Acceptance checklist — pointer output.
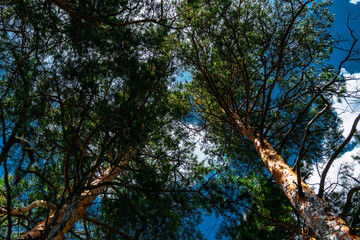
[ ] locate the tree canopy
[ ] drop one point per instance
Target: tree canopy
(100, 132)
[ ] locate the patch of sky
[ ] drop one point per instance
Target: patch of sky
(347, 110)
(210, 221)
(344, 10)
(210, 225)
(347, 14)
(183, 77)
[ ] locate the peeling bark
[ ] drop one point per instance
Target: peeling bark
(314, 210)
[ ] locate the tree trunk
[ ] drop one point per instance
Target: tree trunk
(70, 213)
(314, 210)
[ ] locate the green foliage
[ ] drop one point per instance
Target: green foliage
(265, 62)
(88, 88)
(91, 86)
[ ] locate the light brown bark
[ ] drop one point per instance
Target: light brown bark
(314, 210)
(69, 214)
(17, 211)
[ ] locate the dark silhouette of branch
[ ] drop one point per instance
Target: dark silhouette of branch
(348, 201)
(302, 152)
(335, 154)
(8, 201)
(108, 227)
(355, 219)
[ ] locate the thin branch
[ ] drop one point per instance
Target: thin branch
(348, 201)
(86, 231)
(355, 218)
(302, 152)
(108, 227)
(333, 157)
(8, 200)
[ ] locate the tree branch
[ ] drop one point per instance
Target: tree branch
(333, 157)
(37, 203)
(108, 227)
(348, 201)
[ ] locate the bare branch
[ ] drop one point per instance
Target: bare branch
(108, 227)
(335, 154)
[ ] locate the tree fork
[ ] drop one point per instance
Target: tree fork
(71, 213)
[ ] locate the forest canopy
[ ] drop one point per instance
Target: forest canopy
(105, 105)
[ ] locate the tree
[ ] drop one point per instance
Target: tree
(89, 122)
(95, 134)
(260, 69)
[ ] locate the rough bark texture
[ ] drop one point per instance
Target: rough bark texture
(314, 210)
(69, 214)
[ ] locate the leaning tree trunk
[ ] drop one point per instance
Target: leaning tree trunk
(314, 210)
(70, 213)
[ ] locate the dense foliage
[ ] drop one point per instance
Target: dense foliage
(99, 124)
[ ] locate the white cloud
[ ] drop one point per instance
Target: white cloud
(347, 110)
(354, 1)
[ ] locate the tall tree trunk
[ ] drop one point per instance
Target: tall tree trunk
(70, 213)
(314, 210)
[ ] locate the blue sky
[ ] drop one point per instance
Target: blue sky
(349, 109)
(341, 9)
